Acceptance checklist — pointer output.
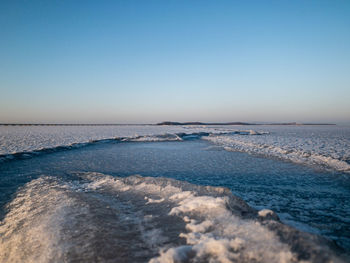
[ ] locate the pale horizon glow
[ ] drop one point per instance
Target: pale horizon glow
(153, 61)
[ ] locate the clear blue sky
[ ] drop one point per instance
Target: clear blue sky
(148, 61)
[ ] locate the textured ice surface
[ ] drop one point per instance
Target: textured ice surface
(320, 146)
(311, 200)
(90, 217)
(16, 139)
(94, 217)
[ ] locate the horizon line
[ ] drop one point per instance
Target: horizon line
(169, 123)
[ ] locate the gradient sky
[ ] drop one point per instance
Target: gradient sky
(148, 61)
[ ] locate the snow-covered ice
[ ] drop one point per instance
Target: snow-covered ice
(93, 217)
(319, 146)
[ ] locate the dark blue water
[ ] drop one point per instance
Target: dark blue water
(310, 200)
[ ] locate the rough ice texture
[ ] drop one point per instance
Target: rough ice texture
(320, 146)
(15, 139)
(92, 217)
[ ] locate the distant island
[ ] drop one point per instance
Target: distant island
(203, 123)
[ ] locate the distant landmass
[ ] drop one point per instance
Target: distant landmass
(203, 123)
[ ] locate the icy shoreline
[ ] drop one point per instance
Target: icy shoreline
(90, 216)
(318, 146)
(16, 139)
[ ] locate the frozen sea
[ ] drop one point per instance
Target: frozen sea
(174, 193)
